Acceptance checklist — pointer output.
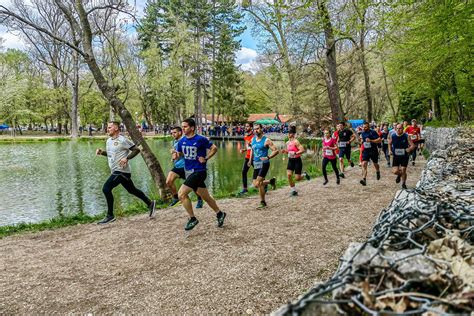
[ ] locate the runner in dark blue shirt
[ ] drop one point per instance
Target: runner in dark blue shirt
(370, 139)
(194, 149)
(400, 146)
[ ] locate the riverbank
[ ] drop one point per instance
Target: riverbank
(253, 265)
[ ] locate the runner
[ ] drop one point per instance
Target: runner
(385, 142)
(295, 165)
(369, 138)
(345, 137)
(178, 169)
(400, 146)
(329, 155)
(119, 150)
(414, 133)
(194, 147)
(261, 162)
(247, 150)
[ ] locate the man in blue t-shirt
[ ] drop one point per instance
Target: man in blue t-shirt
(370, 139)
(178, 169)
(193, 148)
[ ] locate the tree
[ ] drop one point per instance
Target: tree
(87, 20)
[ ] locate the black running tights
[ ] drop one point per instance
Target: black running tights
(245, 170)
(125, 179)
(334, 167)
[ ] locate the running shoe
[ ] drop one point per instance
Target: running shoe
(325, 182)
(342, 175)
(263, 204)
(294, 193)
(107, 220)
(220, 219)
(363, 182)
(338, 181)
(174, 202)
(388, 164)
(352, 164)
(191, 223)
(199, 203)
(306, 175)
(413, 163)
(404, 186)
(152, 208)
(378, 175)
(397, 180)
(273, 183)
(242, 192)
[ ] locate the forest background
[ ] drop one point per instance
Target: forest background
(160, 61)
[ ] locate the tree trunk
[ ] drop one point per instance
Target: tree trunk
(75, 96)
(331, 65)
(395, 113)
(436, 107)
(110, 94)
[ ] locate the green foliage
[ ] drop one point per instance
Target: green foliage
(432, 53)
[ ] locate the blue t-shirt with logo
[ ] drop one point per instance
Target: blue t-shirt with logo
(368, 146)
(192, 148)
(179, 163)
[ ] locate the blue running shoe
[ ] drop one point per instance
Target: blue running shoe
(191, 223)
(199, 204)
(173, 202)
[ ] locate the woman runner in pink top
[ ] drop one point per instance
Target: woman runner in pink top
(329, 155)
(294, 149)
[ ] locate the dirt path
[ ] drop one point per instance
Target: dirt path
(257, 262)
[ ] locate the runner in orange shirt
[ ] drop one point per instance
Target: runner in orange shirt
(414, 133)
(247, 150)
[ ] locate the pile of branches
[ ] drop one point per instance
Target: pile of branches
(419, 258)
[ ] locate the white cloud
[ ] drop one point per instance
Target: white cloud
(246, 59)
(11, 40)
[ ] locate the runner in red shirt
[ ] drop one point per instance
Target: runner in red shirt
(414, 133)
(329, 156)
(247, 149)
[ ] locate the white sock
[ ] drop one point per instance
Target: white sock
(293, 189)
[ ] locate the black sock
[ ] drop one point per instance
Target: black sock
(193, 218)
(219, 214)
(175, 196)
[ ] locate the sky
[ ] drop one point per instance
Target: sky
(245, 57)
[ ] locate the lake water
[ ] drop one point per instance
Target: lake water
(39, 181)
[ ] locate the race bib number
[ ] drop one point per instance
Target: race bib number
(328, 152)
(367, 145)
(257, 164)
(291, 154)
(385, 141)
(413, 137)
(342, 144)
(399, 152)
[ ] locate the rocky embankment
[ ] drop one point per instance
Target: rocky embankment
(419, 258)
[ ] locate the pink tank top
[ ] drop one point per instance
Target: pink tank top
(329, 153)
(292, 149)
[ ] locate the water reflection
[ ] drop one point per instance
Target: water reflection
(39, 181)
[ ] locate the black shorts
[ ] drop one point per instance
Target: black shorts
(295, 164)
(196, 180)
(180, 172)
(262, 172)
(345, 152)
(400, 161)
(370, 155)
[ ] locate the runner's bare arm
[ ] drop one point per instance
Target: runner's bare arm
(412, 146)
(272, 146)
(300, 148)
(212, 152)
